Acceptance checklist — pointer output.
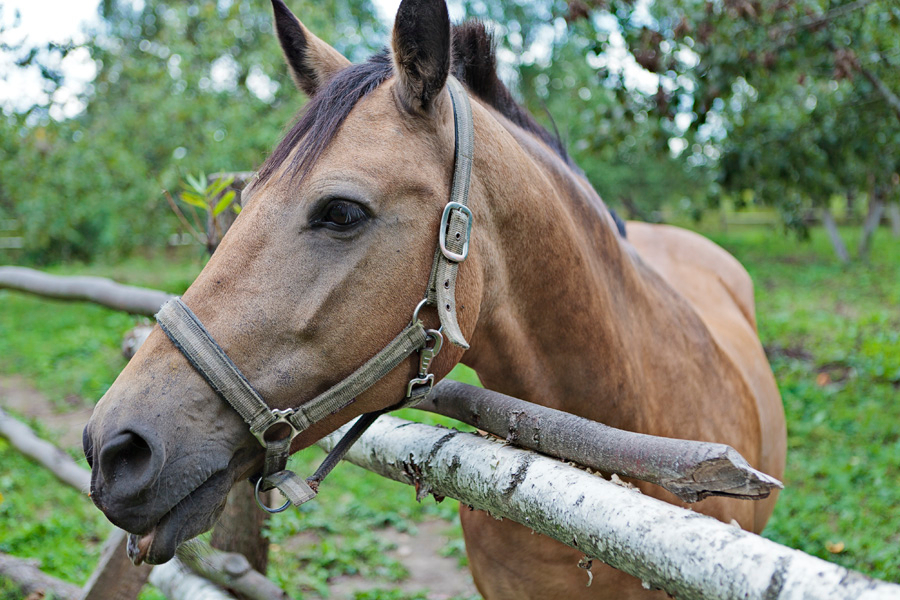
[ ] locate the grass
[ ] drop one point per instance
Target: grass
(831, 332)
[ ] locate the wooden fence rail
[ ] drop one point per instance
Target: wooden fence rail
(682, 552)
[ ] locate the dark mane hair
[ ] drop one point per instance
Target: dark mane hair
(474, 63)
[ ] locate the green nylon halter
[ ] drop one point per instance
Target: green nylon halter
(189, 335)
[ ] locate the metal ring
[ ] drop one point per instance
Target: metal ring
(271, 511)
(418, 308)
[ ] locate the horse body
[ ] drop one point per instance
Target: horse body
(654, 333)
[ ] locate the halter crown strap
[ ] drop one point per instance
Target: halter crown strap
(456, 220)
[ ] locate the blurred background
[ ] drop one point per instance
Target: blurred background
(772, 127)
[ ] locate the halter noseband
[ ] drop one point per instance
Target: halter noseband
(210, 360)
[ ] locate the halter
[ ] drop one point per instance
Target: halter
(189, 335)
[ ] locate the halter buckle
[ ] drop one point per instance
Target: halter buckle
(445, 224)
(281, 416)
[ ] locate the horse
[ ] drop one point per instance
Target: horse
(648, 328)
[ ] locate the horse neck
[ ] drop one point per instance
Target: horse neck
(569, 311)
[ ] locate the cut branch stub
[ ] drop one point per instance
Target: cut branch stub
(690, 470)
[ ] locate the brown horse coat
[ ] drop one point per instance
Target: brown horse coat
(654, 333)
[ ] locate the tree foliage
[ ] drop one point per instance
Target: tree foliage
(789, 103)
(181, 86)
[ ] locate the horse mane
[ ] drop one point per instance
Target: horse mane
(474, 63)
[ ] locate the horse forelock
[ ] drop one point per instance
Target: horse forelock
(473, 62)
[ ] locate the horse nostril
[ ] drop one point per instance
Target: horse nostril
(88, 445)
(130, 463)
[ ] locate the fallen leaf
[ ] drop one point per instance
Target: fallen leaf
(835, 548)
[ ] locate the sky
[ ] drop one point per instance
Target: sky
(42, 21)
(39, 22)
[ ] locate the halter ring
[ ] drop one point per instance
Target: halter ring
(263, 506)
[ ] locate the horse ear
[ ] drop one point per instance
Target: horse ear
(311, 61)
(421, 51)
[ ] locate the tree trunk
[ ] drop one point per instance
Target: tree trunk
(690, 470)
(136, 300)
(834, 235)
(893, 211)
(873, 218)
(686, 554)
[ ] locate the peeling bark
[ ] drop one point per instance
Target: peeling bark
(136, 300)
(687, 554)
(690, 470)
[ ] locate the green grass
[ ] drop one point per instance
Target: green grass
(832, 333)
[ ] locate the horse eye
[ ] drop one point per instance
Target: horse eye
(341, 214)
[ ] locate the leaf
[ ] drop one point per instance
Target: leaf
(194, 200)
(224, 203)
(236, 208)
(198, 185)
(219, 185)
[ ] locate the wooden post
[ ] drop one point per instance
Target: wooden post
(240, 527)
(115, 578)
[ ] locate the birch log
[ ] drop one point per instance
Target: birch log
(177, 582)
(687, 554)
(106, 292)
(690, 470)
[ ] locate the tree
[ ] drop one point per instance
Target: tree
(181, 86)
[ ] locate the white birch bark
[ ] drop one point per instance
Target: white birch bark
(687, 554)
(177, 582)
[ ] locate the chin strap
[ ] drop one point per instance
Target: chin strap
(275, 428)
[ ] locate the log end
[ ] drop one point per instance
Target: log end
(726, 474)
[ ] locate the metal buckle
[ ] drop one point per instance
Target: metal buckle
(442, 233)
(281, 416)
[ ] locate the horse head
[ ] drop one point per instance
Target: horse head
(325, 265)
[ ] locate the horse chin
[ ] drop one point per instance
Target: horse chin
(194, 514)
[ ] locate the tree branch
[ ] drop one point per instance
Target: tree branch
(58, 462)
(33, 582)
(690, 470)
(812, 21)
(132, 299)
(229, 570)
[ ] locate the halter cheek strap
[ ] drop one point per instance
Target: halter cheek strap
(189, 335)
